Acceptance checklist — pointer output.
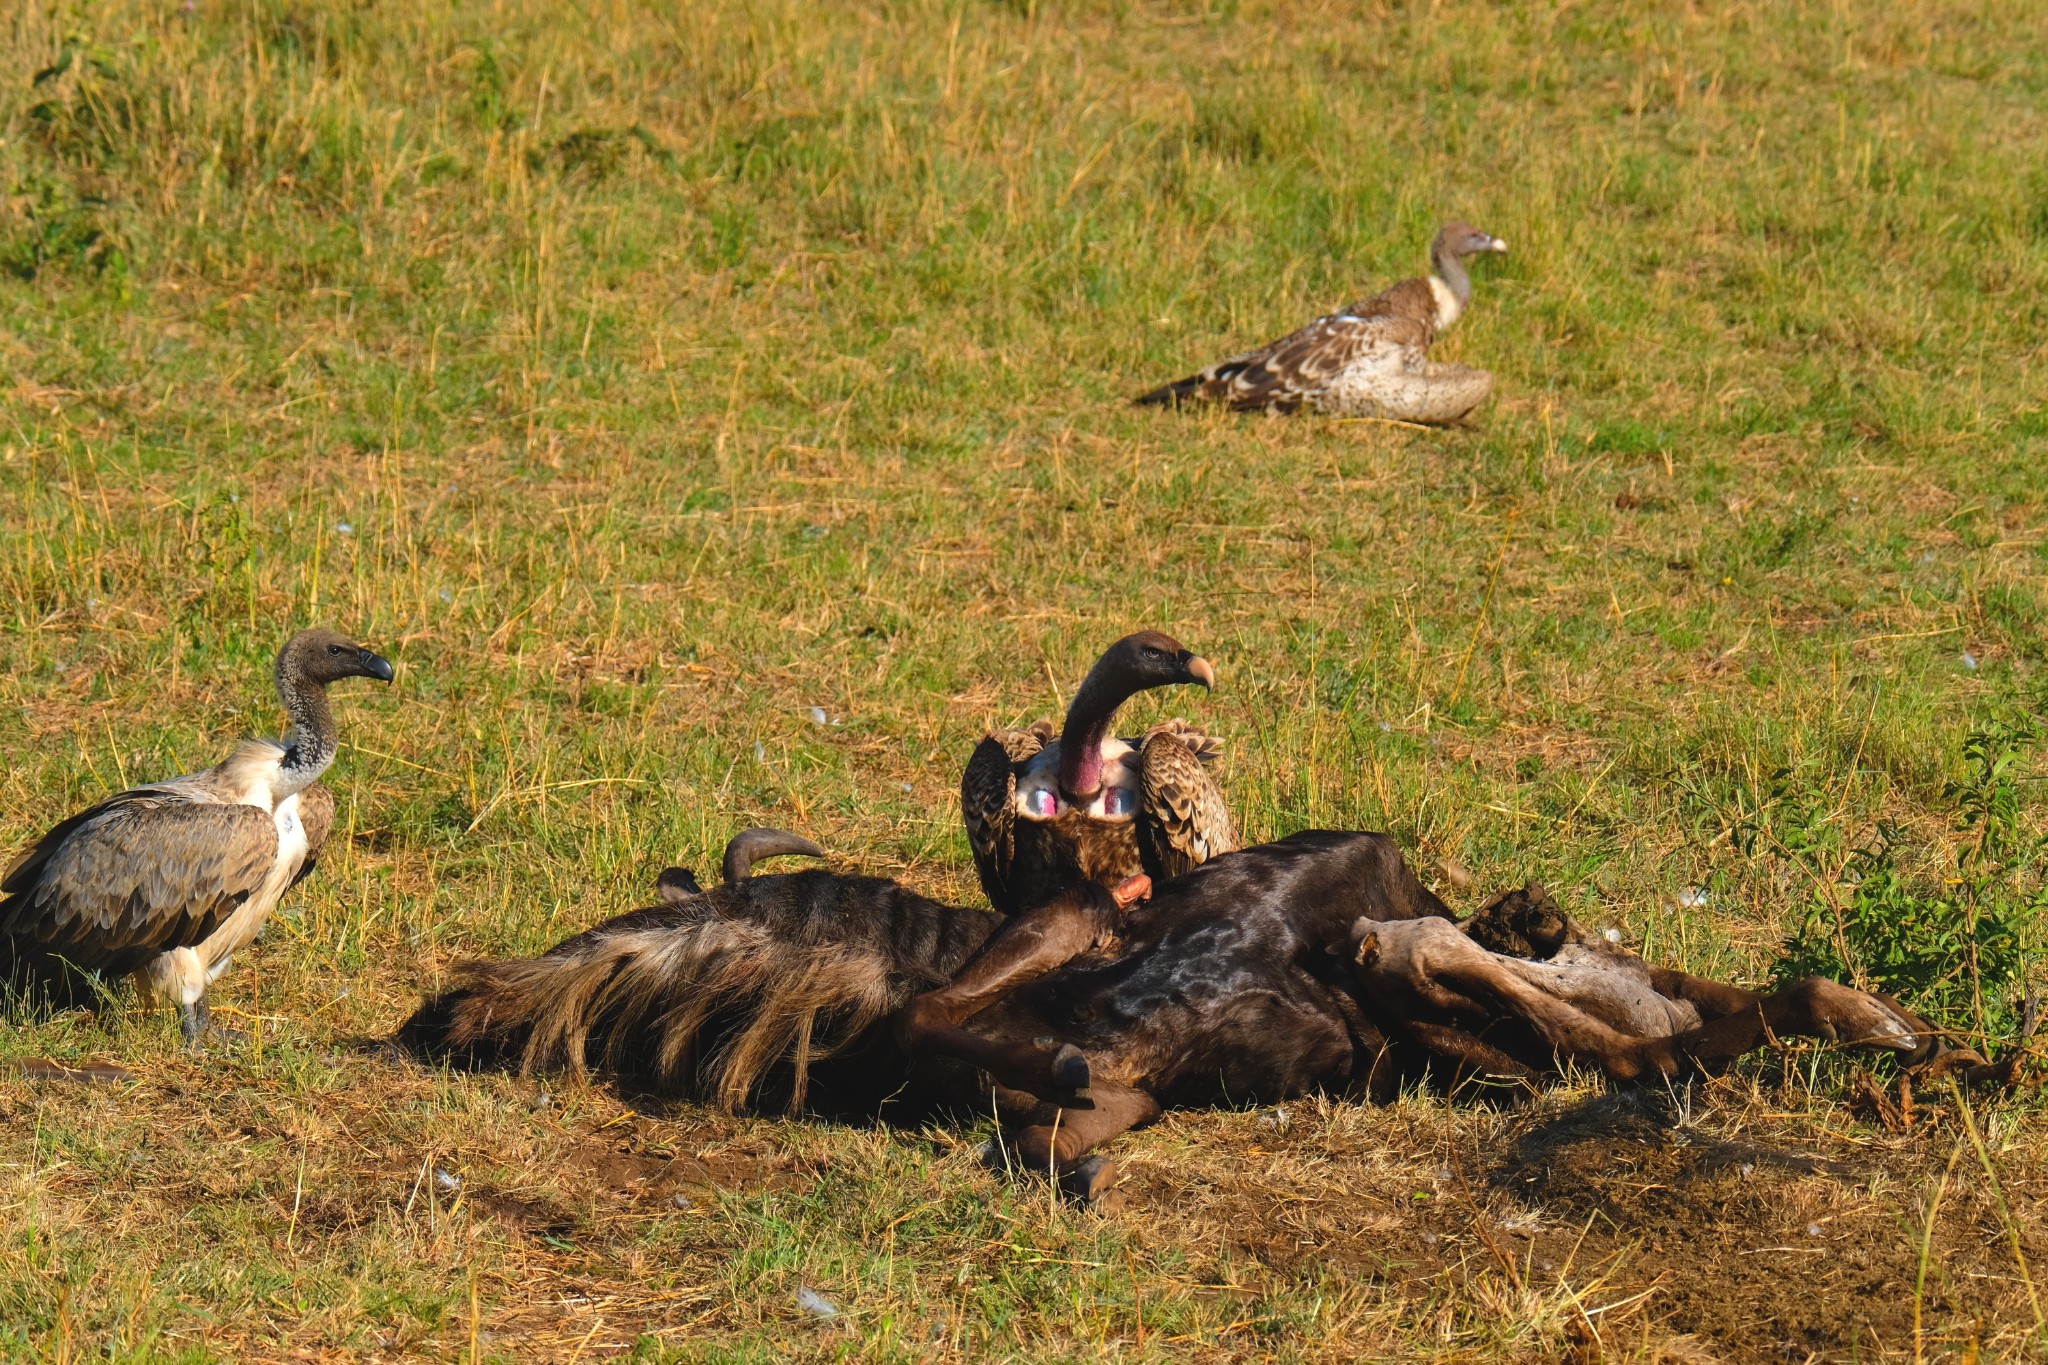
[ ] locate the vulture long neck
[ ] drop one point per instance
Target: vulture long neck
(309, 745)
(1451, 270)
(1095, 705)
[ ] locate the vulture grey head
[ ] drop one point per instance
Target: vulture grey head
(1134, 664)
(317, 657)
(1459, 240)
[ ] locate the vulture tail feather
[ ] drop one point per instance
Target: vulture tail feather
(1174, 394)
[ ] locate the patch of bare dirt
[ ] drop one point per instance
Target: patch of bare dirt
(1741, 1233)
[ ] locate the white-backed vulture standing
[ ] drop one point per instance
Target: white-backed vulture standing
(1043, 814)
(164, 882)
(1370, 360)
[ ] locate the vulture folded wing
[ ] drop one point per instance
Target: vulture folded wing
(140, 874)
(1412, 299)
(1295, 371)
(988, 804)
(316, 815)
(1182, 819)
(1203, 745)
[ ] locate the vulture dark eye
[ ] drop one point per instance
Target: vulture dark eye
(336, 649)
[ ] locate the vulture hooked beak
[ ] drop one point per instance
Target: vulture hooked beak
(376, 666)
(1497, 244)
(1199, 670)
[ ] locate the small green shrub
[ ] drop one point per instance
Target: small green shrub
(1957, 950)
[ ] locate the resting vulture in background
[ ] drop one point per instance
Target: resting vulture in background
(1370, 360)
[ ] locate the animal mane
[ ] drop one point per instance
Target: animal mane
(716, 997)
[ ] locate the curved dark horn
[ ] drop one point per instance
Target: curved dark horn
(749, 846)
(677, 884)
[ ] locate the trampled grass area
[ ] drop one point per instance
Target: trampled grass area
(717, 411)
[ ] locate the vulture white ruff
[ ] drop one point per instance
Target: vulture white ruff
(181, 975)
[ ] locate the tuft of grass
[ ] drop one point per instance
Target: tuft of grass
(1957, 949)
(642, 380)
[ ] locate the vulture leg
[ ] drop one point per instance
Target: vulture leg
(180, 977)
(196, 1022)
(194, 1018)
(1026, 948)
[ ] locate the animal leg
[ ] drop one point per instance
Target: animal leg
(1712, 999)
(1814, 1008)
(1428, 973)
(1424, 968)
(1026, 948)
(1062, 1147)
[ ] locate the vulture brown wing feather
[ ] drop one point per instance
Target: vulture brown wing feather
(1183, 820)
(1295, 369)
(27, 868)
(316, 815)
(142, 872)
(988, 804)
(1413, 300)
(1203, 745)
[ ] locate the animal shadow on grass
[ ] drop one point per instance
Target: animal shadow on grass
(1555, 1156)
(1759, 1251)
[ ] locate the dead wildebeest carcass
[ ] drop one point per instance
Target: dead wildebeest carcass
(1090, 1013)
(1089, 1016)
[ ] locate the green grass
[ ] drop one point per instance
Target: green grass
(642, 379)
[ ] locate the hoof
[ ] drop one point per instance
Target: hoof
(1070, 1068)
(1092, 1182)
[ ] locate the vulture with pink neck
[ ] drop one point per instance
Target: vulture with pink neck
(1046, 813)
(1370, 360)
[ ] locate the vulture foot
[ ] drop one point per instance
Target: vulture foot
(195, 1021)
